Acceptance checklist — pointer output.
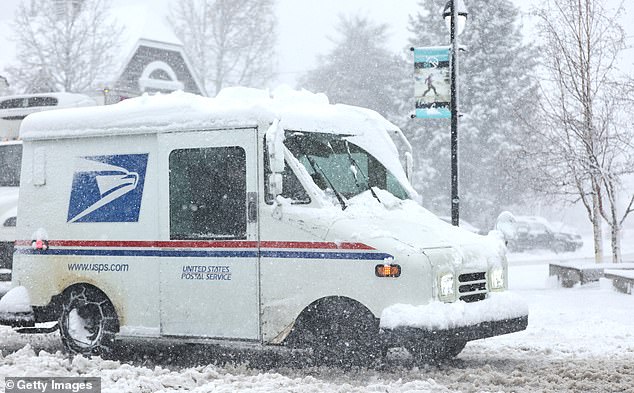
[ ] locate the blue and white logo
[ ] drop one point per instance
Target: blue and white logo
(107, 188)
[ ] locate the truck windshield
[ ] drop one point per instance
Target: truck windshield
(10, 160)
(335, 163)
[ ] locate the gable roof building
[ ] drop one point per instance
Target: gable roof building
(155, 60)
(150, 59)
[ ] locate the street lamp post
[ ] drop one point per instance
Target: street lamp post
(455, 15)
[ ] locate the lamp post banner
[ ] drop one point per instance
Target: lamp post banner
(432, 82)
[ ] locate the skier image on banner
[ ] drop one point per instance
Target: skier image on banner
(429, 81)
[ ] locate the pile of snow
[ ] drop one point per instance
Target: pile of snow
(439, 315)
(15, 301)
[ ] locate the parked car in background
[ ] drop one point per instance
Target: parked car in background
(567, 237)
(534, 232)
(10, 159)
(13, 109)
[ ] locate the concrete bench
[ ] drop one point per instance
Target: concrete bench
(570, 275)
(622, 280)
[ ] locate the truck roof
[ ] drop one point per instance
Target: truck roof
(179, 111)
(234, 107)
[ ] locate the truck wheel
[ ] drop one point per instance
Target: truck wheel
(88, 322)
(436, 351)
(341, 333)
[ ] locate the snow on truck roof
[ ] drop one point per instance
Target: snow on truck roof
(232, 107)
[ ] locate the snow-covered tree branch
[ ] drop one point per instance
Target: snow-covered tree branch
(230, 42)
(583, 139)
(62, 45)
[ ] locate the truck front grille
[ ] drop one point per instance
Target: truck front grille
(472, 287)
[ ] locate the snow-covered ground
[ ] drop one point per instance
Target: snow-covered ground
(578, 340)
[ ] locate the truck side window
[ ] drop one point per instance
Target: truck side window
(10, 161)
(208, 193)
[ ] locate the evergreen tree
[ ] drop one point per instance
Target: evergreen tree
(496, 81)
(360, 70)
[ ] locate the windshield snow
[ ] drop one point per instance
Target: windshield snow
(338, 165)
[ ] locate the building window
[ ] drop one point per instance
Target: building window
(208, 193)
(158, 76)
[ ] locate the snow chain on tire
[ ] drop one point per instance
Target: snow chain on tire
(88, 322)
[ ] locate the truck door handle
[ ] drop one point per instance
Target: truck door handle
(252, 206)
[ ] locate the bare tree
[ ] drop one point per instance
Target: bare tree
(230, 42)
(581, 147)
(63, 45)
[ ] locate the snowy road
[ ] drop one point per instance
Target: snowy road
(578, 340)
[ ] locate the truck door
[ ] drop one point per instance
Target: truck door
(209, 285)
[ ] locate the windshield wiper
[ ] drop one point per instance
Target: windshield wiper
(321, 173)
(365, 178)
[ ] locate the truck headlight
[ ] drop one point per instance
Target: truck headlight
(446, 287)
(496, 279)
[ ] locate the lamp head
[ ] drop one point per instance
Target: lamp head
(462, 15)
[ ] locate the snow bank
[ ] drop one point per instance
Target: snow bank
(439, 315)
(15, 301)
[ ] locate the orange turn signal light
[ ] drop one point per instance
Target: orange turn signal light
(387, 270)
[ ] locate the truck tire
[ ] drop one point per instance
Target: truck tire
(88, 322)
(340, 333)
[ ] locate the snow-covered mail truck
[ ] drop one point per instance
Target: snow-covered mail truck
(270, 219)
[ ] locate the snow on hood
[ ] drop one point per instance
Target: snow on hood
(404, 223)
(416, 227)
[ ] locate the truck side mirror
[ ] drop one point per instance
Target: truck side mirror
(275, 184)
(409, 166)
(275, 149)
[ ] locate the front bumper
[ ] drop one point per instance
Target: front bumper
(405, 336)
(501, 313)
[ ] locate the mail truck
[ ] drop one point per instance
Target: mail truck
(269, 219)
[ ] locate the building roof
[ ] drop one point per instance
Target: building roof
(143, 25)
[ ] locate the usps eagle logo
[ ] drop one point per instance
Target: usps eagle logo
(107, 188)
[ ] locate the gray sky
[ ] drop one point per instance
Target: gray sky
(305, 25)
